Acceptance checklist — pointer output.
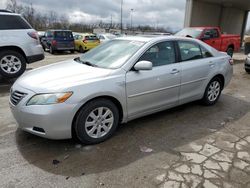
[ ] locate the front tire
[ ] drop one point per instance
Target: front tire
(96, 121)
(12, 64)
(212, 92)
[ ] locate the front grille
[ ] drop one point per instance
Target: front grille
(16, 97)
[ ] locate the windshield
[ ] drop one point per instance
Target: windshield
(110, 36)
(63, 34)
(112, 54)
(190, 32)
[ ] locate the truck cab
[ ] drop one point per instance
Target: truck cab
(212, 36)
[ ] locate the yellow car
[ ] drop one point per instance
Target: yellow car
(85, 41)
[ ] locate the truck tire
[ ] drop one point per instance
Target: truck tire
(230, 51)
(12, 64)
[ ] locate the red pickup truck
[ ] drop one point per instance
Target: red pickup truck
(213, 37)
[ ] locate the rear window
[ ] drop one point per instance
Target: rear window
(63, 34)
(91, 37)
(13, 22)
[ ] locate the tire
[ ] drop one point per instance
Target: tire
(72, 51)
(12, 64)
(90, 113)
(210, 99)
(81, 49)
(51, 50)
(248, 71)
(230, 51)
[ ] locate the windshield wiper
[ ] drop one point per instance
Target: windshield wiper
(85, 62)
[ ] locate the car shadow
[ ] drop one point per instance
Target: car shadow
(163, 132)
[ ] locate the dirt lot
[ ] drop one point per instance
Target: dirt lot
(188, 146)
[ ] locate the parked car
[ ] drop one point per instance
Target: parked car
(213, 37)
(85, 42)
(247, 64)
(19, 45)
(41, 34)
(120, 80)
(104, 37)
(58, 40)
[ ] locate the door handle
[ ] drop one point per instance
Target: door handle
(175, 71)
(211, 64)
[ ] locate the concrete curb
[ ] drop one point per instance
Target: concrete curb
(238, 61)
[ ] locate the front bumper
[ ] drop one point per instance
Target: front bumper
(48, 121)
(34, 58)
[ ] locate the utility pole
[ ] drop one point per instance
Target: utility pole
(131, 19)
(111, 21)
(121, 14)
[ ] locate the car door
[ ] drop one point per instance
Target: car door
(156, 89)
(214, 39)
(196, 65)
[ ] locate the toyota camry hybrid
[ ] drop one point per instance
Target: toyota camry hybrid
(120, 80)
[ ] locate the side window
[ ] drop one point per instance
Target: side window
(212, 33)
(205, 52)
(48, 34)
(13, 22)
(189, 51)
(160, 54)
(101, 37)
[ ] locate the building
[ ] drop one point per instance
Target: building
(230, 15)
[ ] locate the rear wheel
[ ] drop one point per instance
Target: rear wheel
(230, 51)
(51, 50)
(212, 92)
(81, 49)
(12, 64)
(97, 121)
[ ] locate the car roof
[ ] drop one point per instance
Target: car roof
(9, 13)
(155, 38)
(59, 30)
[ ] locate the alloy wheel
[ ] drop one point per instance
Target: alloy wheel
(99, 122)
(213, 91)
(10, 64)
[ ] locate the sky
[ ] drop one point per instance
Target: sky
(156, 13)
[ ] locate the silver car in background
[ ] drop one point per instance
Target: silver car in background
(120, 80)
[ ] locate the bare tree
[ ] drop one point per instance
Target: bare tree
(14, 7)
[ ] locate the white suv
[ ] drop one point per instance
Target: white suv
(19, 45)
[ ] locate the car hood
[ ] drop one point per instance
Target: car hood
(60, 76)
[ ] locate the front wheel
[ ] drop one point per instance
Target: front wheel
(212, 92)
(96, 121)
(12, 64)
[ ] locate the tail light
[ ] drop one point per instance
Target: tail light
(53, 42)
(33, 35)
(231, 61)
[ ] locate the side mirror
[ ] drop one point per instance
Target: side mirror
(143, 65)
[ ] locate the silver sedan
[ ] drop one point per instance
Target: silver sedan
(118, 81)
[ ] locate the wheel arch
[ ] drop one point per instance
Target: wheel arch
(230, 46)
(14, 48)
(221, 77)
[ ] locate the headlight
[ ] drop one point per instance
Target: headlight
(49, 98)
